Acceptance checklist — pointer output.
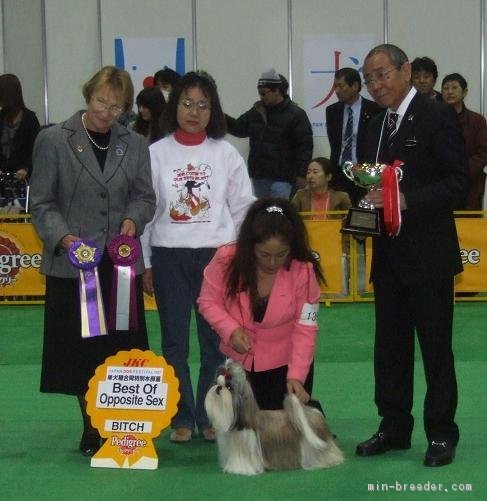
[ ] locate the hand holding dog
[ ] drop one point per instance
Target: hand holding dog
(240, 341)
(296, 387)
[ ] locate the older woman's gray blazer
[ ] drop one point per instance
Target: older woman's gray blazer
(69, 193)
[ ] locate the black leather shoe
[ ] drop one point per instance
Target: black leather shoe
(380, 443)
(90, 443)
(439, 453)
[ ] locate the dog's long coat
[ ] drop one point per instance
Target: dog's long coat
(251, 440)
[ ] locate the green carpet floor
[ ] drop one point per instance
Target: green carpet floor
(39, 433)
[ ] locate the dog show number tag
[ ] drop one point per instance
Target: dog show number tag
(309, 314)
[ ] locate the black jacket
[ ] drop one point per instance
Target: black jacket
(435, 180)
(280, 139)
(23, 143)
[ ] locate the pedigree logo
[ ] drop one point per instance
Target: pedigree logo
(128, 444)
(470, 256)
(13, 260)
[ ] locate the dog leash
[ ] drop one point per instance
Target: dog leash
(245, 358)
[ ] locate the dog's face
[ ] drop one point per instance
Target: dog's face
(230, 403)
(219, 404)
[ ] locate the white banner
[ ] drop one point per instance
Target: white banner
(142, 57)
(322, 56)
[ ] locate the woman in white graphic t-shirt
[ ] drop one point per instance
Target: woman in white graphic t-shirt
(203, 191)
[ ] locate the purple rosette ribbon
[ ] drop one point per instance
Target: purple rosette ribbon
(85, 255)
(124, 251)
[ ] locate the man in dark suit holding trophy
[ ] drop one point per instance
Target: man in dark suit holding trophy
(413, 271)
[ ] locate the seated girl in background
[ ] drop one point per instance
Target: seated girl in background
(317, 196)
(319, 199)
(261, 295)
(151, 104)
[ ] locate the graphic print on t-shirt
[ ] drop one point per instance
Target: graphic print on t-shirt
(192, 204)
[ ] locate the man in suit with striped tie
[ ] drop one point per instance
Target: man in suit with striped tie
(346, 122)
(413, 267)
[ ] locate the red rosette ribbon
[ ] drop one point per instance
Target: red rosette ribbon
(391, 176)
(124, 251)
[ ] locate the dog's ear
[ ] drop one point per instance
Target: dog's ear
(245, 407)
(238, 421)
(238, 402)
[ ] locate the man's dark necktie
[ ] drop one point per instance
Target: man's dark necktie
(391, 128)
(347, 141)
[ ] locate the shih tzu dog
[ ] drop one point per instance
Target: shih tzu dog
(251, 440)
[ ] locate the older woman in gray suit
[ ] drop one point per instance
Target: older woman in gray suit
(91, 180)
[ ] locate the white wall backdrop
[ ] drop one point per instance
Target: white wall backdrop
(446, 31)
(23, 54)
(144, 18)
(235, 41)
(1, 40)
(72, 53)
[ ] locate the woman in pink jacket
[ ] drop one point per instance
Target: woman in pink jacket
(261, 295)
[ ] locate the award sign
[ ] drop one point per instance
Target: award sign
(131, 398)
(365, 219)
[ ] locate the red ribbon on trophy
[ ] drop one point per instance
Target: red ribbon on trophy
(391, 176)
(124, 251)
(85, 255)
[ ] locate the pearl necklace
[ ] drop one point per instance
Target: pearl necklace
(103, 148)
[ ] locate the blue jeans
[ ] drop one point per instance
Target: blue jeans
(270, 188)
(177, 275)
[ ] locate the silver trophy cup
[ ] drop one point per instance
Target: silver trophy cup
(364, 219)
